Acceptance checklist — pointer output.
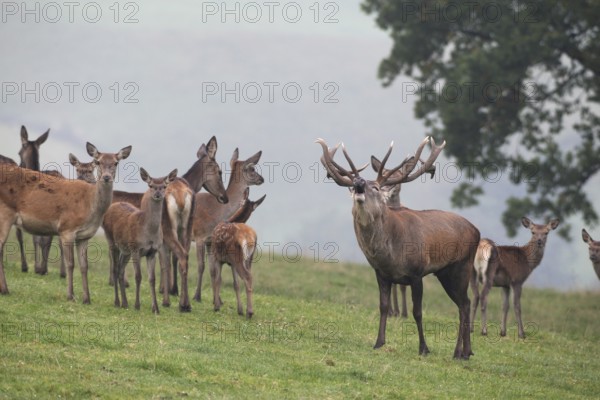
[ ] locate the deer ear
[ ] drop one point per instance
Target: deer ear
(124, 153)
(212, 147)
(92, 150)
(202, 152)
(39, 141)
(526, 222)
(586, 236)
(73, 160)
(375, 163)
(554, 223)
(172, 176)
(258, 202)
(234, 157)
(144, 175)
(24, 136)
(254, 159)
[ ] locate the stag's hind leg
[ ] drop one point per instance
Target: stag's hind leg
(455, 280)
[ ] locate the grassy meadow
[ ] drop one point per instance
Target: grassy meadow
(311, 337)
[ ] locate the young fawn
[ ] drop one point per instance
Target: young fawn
(234, 243)
(507, 267)
(134, 232)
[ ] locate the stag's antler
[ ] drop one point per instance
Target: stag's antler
(402, 173)
(339, 174)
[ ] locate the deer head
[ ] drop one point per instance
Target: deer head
(106, 163)
(84, 171)
(368, 197)
(594, 246)
(157, 186)
(29, 153)
(214, 181)
(247, 168)
(539, 232)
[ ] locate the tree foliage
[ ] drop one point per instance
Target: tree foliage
(513, 83)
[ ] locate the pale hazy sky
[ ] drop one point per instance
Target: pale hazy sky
(164, 78)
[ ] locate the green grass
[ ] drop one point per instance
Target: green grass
(311, 337)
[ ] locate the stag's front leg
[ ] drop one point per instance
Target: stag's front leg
(416, 289)
(404, 313)
(24, 266)
(82, 248)
(385, 288)
(394, 309)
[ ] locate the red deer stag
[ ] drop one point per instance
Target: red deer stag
(178, 213)
(30, 158)
(85, 172)
(392, 196)
(404, 245)
(208, 213)
(234, 242)
(594, 247)
(507, 267)
(71, 209)
(133, 232)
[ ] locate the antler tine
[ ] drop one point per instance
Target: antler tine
(385, 158)
(335, 171)
(428, 165)
(354, 170)
(405, 167)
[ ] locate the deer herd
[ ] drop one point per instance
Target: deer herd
(402, 245)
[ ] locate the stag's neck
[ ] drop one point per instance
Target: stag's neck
(371, 232)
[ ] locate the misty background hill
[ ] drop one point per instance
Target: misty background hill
(184, 72)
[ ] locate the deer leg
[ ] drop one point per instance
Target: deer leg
(416, 290)
(151, 264)
(404, 313)
(505, 307)
(475, 304)
(44, 243)
(487, 286)
(236, 287)
(517, 304)
(63, 270)
(455, 280)
(200, 257)
(174, 289)
(24, 266)
(137, 267)
(114, 270)
(394, 309)
(5, 226)
(67, 244)
(184, 300)
(82, 248)
(246, 274)
(163, 260)
(122, 263)
(385, 288)
(215, 274)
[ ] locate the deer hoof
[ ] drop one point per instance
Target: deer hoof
(185, 308)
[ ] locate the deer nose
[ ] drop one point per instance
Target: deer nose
(223, 199)
(359, 185)
(106, 178)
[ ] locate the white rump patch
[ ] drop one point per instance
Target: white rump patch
(482, 260)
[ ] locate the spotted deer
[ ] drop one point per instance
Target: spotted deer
(507, 267)
(594, 248)
(133, 233)
(403, 245)
(208, 213)
(234, 243)
(45, 205)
